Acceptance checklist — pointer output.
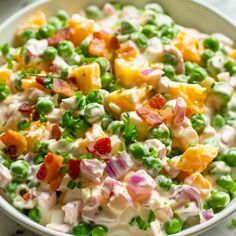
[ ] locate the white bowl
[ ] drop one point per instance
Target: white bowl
(186, 12)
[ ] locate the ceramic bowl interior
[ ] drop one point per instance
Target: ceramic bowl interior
(189, 13)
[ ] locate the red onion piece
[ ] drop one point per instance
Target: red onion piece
(208, 214)
(116, 167)
(179, 111)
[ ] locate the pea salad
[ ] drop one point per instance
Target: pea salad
(117, 121)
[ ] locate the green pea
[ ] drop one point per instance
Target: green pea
(22, 125)
(95, 96)
(218, 121)
(230, 66)
(38, 159)
(206, 55)
(174, 152)
(115, 127)
(211, 43)
(150, 31)
(5, 49)
(164, 182)
(181, 78)
(47, 30)
(10, 188)
(93, 12)
(140, 40)
(44, 105)
(219, 168)
(197, 75)
(82, 229)
(99, 230)
(169, 71)
(83, 48)
(165, 40)
(154, 7)
(227, 183)
(68, 120)
(50, 54)
(215, 65)
(103, 63)
(162, 133)
(41, 147)
(93, 112)
(106, 121)
(198, 122)
(170, 59)
(128, 27)
(167, 31)
(138, 150)
(106, 79)
(55, 22)
(230, 157)
(65, 49)
(62, 15)
(4, 93)
(80, 127)
(218, 199)
(20, 169)
(173, 226)
(152, 163)
(28, 34)
(35, 214)
(223, 91)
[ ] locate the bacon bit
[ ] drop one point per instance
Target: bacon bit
(63, 34)
(114, 43)
(103, 145)
(49, 171)
(157, 101)
(27, 196)
(149, 116)
(74, 168)
(53, 68)
(63, 87)
(128, 50)
(16, 144)
(103, 44)
(42, 172)
(40, 80)
(25, 108)
(100, 148)
(33, 115)
(56, 132)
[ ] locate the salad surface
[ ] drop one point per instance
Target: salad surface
(117, 121)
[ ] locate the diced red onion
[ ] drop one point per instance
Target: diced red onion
(116, 167)
(151, 73)
(92, 169)
(186, 193)
(179, 111)
(208, 214)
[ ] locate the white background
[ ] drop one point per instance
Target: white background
(7, 226)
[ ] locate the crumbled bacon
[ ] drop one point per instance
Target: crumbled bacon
(63, 87)
(103, 44)
(100, 148)
(74, 168)
(157, 101)
(25, 108)
(63, 34)
(56, 132)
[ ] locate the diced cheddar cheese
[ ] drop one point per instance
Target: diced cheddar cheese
(127, 72)
(195, 158)
(201, 183)
(29, 83)
(193, 94)
(190, 46)
(121, 101)
(11, 139)
(35, 21)
(80, 28)
(233, 54)
(87, 77)
(37, 132)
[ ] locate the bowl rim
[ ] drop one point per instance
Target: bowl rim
(25, 221)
